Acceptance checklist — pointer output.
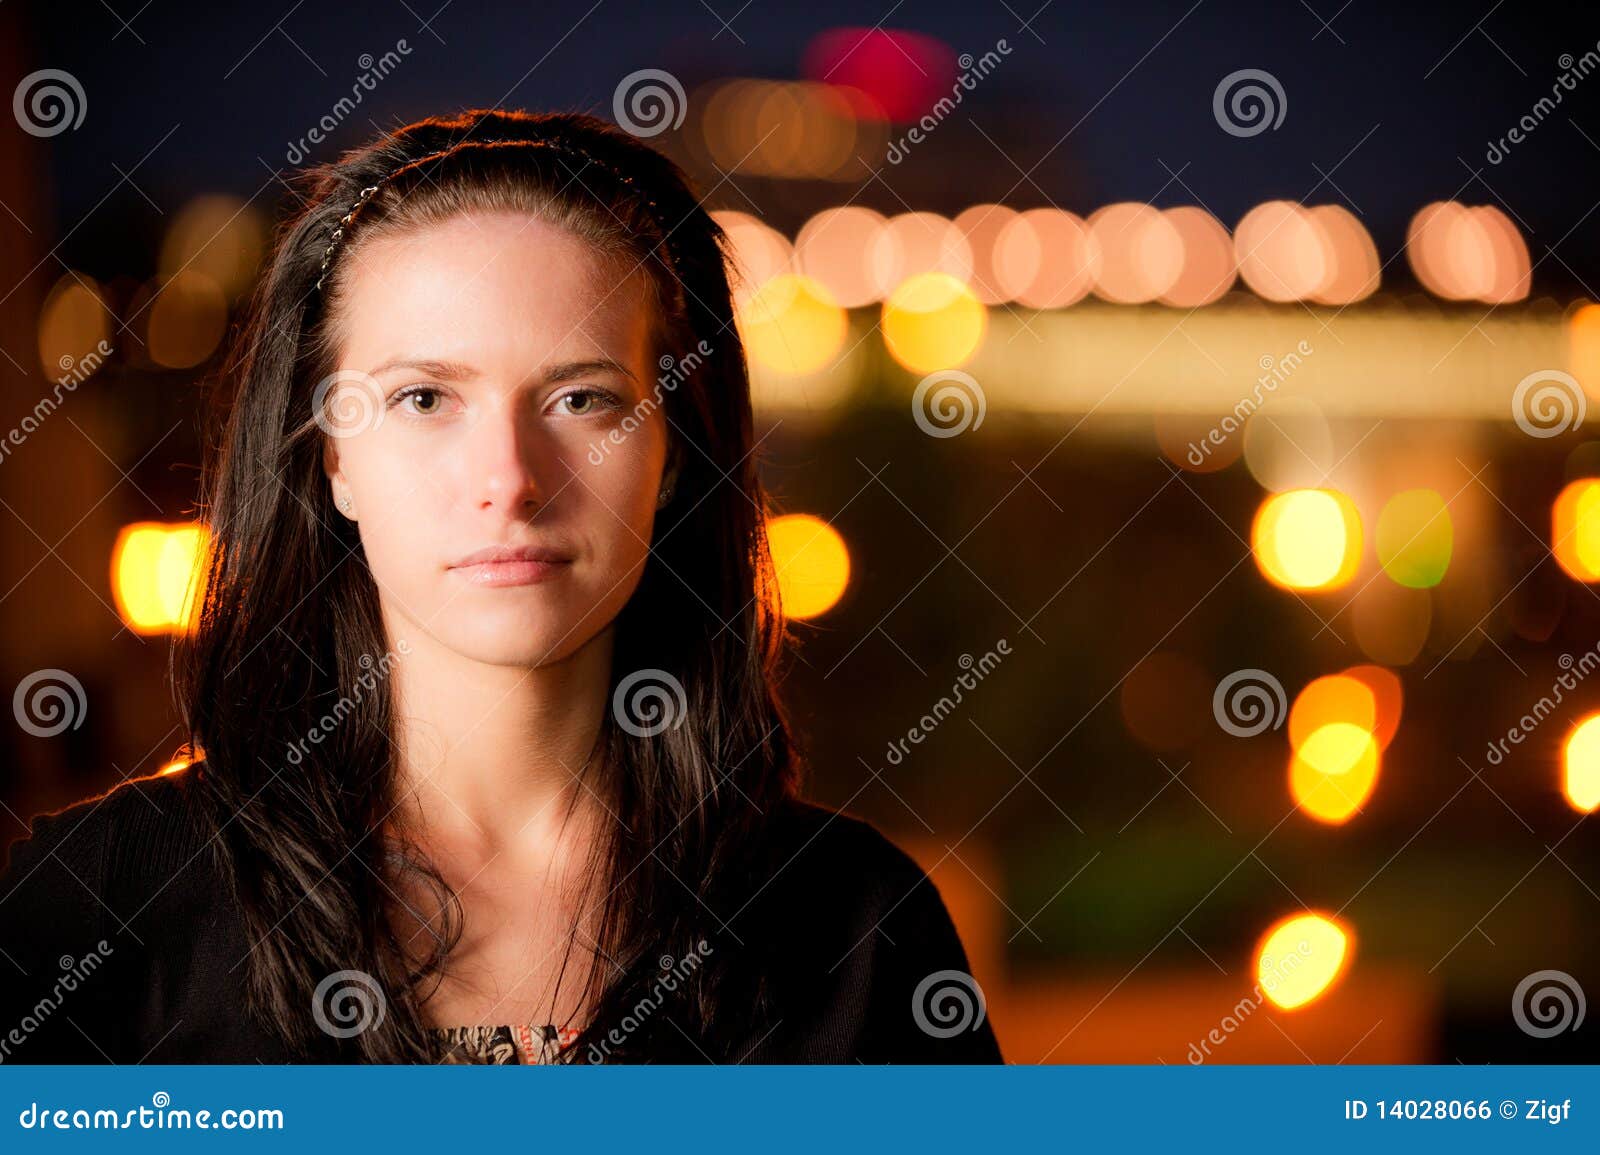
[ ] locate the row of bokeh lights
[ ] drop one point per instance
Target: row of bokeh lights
(934, 277)
(1133, 253)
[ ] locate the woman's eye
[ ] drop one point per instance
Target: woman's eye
(582, 402)
(423, 402)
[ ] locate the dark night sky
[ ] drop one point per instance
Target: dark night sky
(1401, 98)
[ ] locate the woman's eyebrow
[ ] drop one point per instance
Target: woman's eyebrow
(444, 370)
(456, 371)
(568, 370)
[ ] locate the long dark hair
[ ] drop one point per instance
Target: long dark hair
(290, 624)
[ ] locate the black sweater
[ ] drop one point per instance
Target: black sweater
(119, 943)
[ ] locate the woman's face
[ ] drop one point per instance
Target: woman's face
(483, 362)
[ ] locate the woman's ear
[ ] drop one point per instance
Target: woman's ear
(669, 474)
(340, 488)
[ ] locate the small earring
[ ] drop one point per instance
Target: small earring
(666, 496)
(345, 504)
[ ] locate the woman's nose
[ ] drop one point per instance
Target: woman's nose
(505, 463)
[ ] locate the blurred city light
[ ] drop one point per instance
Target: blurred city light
(1580, 780)
(812, 563)
(157, 571)
(933, 321)
(1307, 539)
(1575, 529)
(1333, 771)
(1414, 538)
(1300, 957)
(792, 325)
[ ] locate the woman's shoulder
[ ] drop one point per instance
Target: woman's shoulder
(838, 851)
(134, 837)
(857, 935)
(834, 865)
(800, 823)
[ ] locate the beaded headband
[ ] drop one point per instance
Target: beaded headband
(346, 221)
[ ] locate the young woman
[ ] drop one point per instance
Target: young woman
(490, 764)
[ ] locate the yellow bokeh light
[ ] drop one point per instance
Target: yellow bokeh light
(933, 321)
(1415, 538)
(812, 563)
(1583, 348)
(1328, 699)
(1300, 957)
(1575, 536)
(1388, 697)
(220, 237)
(1307, 539)
(156, 573)
(792, 325)
(73, 324)
(1333, 772)
(1581, 766)
(187, 319)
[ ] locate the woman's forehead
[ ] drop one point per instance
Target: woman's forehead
(506, 282)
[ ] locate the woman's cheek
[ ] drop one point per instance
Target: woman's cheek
(624, 482)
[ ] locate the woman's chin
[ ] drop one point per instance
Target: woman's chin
(527, 637)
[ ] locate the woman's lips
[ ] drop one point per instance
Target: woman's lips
(510, 573)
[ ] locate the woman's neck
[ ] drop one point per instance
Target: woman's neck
(496, 757)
